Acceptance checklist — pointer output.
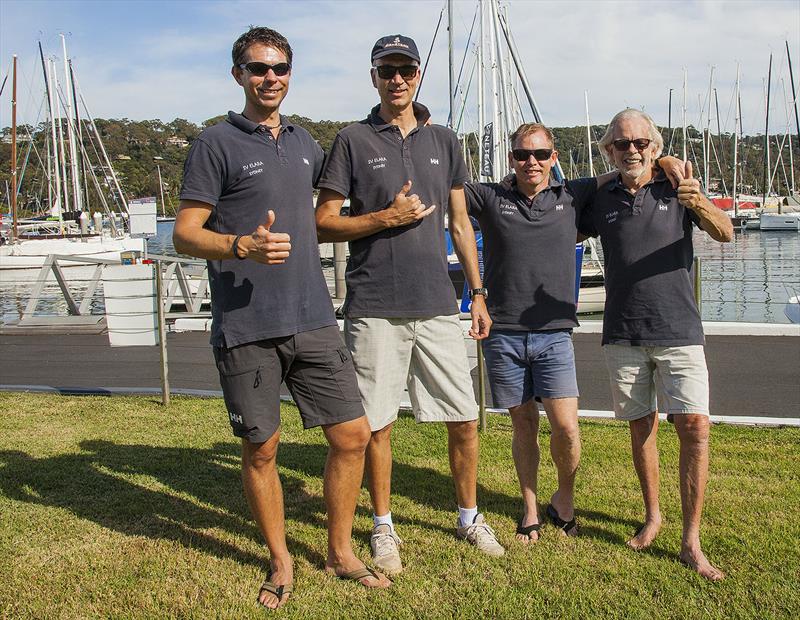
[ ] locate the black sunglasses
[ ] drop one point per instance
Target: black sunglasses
(260, 69)
(623, 145)
(387, 72)
(538, 154)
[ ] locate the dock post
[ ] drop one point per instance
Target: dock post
(162, 335)
(698, 284)
(339, 265)
(481, 389)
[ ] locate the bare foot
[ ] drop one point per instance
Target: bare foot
(697, 561)
(645, 535)
(343, 569)
(281, 573)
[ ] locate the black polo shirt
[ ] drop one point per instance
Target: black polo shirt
(529, 252)
(399, 272)
(647, 246)
(242, 171)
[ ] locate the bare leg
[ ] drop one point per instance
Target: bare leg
(645, 460)
(525, 450)
(693, 431)
(462, 447)
(379, 469)
(344, 470)
(262, 487)
(565, 448)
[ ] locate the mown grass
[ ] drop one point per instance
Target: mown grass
(117, 507)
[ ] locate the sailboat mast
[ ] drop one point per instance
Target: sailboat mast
(789, 136)
(73, 156)
(60, 131)
(736, 127)
(794, 94)
(13, 188)
(588, 133)
(766, 135)
(481, 81)
(707, 138)
(55, 207)
(161, 189)
(684, 114)
(451, 64)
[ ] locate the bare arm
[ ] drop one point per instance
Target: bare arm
(331, 226)
(712, 220)
(190, 237)
(464, 244)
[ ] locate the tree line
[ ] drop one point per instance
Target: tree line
(138, 150)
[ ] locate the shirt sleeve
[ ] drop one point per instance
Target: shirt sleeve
(586, 225)
(319, 162)
(458, 169)
(337, 171)
(474, 199)
(583, 191)
(203, 174)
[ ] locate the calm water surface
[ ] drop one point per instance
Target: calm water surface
(749, 279)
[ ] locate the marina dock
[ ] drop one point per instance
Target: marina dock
(751, 375)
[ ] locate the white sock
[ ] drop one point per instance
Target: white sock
(383, 520)
(466, 516)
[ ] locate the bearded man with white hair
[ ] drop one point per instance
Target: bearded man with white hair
(652, 333)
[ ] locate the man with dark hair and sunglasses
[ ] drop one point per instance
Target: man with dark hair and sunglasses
(529, 224)
(652, 333)
(401, 319)
(245, 179)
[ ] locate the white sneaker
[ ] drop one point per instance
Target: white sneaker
(481, 535)
(385, 553)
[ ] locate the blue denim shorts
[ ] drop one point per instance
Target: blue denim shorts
(524, 364)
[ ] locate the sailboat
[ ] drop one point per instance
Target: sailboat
(69, 229)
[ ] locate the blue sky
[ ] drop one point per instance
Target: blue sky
(165, 60)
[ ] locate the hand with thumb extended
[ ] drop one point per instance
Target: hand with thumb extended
(269, 247)
(689, 193)
(404, 209)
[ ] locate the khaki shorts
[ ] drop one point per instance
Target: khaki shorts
(640, 374)
(426, 355)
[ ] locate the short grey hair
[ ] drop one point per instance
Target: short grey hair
(608, 137)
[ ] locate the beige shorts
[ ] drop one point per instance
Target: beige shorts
(426, 355)
(639, 375)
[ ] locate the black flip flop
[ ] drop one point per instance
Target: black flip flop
(565, 526)
(526, 530)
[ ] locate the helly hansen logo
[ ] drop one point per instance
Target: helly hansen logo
(663, 207)
(235, 418)
(305, 161)
(559, 207)
(434, 161)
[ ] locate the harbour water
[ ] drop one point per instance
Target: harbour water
(748, 280)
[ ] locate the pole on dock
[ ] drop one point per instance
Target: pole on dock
(481, 389)
(698, 284)
(162, 336)
(339, 265)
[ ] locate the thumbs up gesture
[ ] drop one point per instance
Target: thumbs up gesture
(689, 193)
(270, 248)
(404, 209)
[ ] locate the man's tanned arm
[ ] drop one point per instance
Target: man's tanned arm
(464, 244)
(331, 226)
(712, 220)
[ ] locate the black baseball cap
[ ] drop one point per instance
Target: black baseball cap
(395, 44)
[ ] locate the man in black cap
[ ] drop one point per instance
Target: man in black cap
(401, 318)
(247, 207)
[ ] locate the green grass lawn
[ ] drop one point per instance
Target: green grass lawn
(118, 507)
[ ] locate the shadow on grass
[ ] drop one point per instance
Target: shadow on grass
(96, 485)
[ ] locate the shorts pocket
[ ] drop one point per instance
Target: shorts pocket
(340, 365)
(243, 392)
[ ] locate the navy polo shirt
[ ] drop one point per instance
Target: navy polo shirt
(647, 246)
(398, 272)
(529, 252)
(242, 171)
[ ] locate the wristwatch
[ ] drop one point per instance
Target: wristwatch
(478, 291)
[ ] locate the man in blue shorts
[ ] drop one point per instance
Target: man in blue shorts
(530, 225)
(652, 333)
(246, 178)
